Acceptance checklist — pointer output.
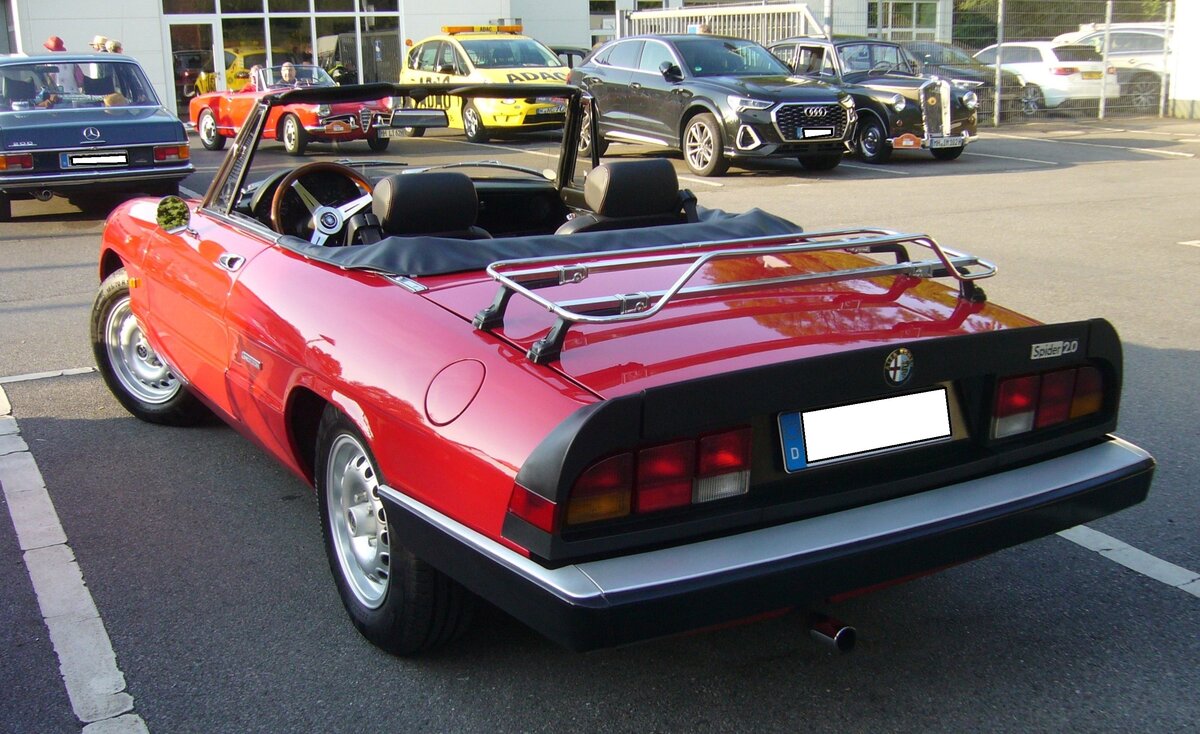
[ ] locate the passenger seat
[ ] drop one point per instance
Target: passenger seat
(630, 194)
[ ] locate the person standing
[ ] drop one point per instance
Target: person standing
(98, 43)
(113, 46)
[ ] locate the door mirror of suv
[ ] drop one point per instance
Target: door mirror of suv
(670, 72)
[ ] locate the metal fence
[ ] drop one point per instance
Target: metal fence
(1039, 58)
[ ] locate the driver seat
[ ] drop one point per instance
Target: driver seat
(630, 194)
(433, 203)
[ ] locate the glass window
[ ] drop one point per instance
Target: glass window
(785, 52)
(381, 6)
(45, 86)
(334, 6)
(654, 55)
(337, 47)
(902, 15)
(288, 6)
(508, 53)
(987, 57)
(1076, 53)
(382, 49)
(427, 56)
(176, 7)
(720, 56)
(241, 6)
(291, 39)
(625, 55)
(927, 15)
(813, 61)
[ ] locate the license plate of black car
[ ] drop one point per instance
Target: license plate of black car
(814, 437)
(90, 160)
(814, 132)
(950, 141)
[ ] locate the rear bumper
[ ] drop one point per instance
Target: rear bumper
(639, 596)
(95, 179)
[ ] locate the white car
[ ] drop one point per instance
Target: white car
(1055, 75)
(1138, 55)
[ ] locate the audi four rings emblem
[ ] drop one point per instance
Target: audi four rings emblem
(898, 366)
(91, 133)
(816, 111)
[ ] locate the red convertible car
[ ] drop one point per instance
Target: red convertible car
(575, 394)
(220, 115)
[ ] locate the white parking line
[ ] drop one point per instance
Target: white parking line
(692, 179)
(876, 169)
(1132, 558)
(1151, 151)
(1013, 158)
(43, 375)
(1190, 243)
(86, 661)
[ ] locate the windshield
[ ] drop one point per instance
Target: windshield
(728, 57)
(41, 85)
(296, 75)
(934, 53)
(877, 57)
(509, 53)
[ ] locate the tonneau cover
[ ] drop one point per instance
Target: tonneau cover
(425, 256)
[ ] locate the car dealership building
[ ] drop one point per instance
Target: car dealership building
(364, 38)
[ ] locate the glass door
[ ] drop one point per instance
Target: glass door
(196, 68)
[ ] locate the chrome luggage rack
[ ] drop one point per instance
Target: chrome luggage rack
(527, 275)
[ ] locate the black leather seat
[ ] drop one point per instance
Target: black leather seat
(629, 194)
(435, 203)
(18, 90)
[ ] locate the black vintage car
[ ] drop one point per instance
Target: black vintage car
(719, 100)
(966, 72)
(897, 108)
(77, 124)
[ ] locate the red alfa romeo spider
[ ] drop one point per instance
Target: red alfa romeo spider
(570, 391)
(220, 115)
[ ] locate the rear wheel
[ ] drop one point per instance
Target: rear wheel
(948, 154)
(133, 371)
(872, 142)
(206, 128)
(1032, 101)
(822, 162)
(473, 125)
(585, 137)
(396, 600)
(1144, 93)
(294, 136)
(378, 144)
(703, 148)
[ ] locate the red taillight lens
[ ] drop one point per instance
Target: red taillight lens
(1054, 404)
(603, 492)
(664, 476)
(12, 162)
(1016, 403)
(532, 508)
(172, 153)
(1089, 392)
(1065, 70)
(722, 453)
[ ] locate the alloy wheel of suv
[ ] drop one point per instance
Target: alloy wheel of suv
(703, 149)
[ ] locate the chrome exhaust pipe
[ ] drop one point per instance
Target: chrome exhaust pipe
(832, 632)
(43, 195)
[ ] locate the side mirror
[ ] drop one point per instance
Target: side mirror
(173, 214)
(670, 72)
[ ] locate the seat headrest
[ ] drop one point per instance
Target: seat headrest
(425, 203)
(632, 188)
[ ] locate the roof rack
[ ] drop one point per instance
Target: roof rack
(525, 276)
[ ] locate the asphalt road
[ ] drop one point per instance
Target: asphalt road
(205, 563)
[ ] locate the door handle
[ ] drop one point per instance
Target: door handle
(593, 80)
(635, 85)
(230, 262)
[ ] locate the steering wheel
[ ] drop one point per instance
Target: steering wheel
(326, 218)
(882, 66)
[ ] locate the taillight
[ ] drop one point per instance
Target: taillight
(677, 474)
(172, 153)
(16, 161)
(1047, 399)
(532, 508)
(1064, 70)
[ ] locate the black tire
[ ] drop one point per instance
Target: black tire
(1144, 91)
(133, 372)
(948, 154)
(397, 601)
(206, 128)
(585, 137)
(5, 209)
(871, 141)
(1032, 101)
(826, 162)
(704, 146)
(473, 125)
(378, 144)
(293, 135)
(413, 132)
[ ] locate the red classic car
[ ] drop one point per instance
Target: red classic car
(578, 395)
(219, 115)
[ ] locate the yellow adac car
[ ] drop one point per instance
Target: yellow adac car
(482, 55)
(238, 64)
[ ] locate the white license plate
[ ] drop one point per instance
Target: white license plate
(819, 436)
(951, 141)
(555, 110)
(114, 158)
(391, 132)
(814, 132)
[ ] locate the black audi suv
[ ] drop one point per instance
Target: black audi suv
(719, 100)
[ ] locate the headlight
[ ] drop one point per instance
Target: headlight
(387, 103)
(748, 103)
(847, 102)
(324, 110)
(898, 102)
(971, 100)
(509, 100)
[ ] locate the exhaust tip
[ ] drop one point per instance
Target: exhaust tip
(832, 633)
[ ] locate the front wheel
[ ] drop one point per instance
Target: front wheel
(703, 147)
(585, 137)
(378, 144)
(395, 600)
(826, 162)
(1144, 93)
(872, 142)
(295, 137)
(473, 125)
(948, 154)
(206, 128)
(133, 371)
